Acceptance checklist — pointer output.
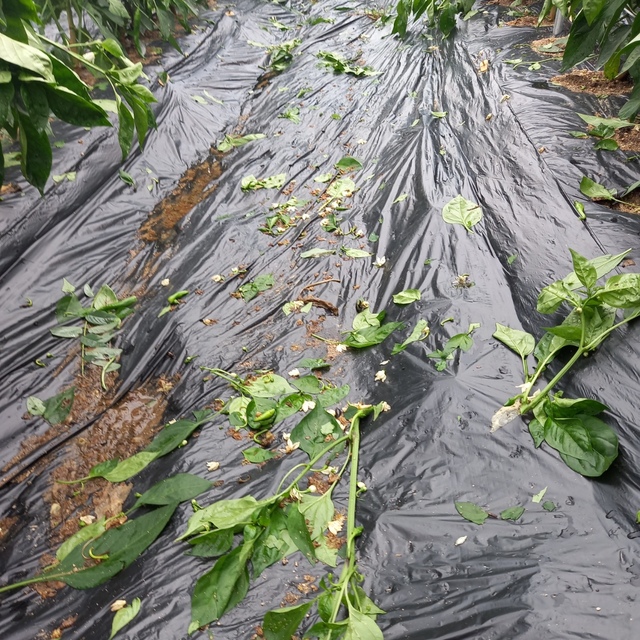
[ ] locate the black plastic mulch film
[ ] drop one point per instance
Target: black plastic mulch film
(573, 573)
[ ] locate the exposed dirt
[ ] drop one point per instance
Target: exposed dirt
(528, 21)
(9, 188)
(334, 541)
(552, 47)
(67, 623)
(193, 187)
(628, 139)
(307, 586)
(594, 82)
(122, 431)
(6, 525)
(89, 400)
(631, 203)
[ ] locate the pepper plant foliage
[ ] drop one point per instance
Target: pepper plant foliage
(117, 18)
(569, 425)
(248, 535)
(38, 79)
(604, 28)
(442, 13)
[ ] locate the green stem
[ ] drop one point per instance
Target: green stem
(78, 481)
(314, 335)
(582, 349)
(542, 365)
(525, 369)
(24, 583)
(84, 333)
(233, 381)
(576, 356)
(77, 57)
(73, 36)
(349, 567)
(310, 464)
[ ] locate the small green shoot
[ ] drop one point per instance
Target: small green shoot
(420, 332)
(292, 113)
(126, 178)
(100, 323)
(461, 341)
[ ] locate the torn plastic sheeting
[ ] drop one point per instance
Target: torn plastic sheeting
(546, 574)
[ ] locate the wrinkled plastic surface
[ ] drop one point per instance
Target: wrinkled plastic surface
(573, 573)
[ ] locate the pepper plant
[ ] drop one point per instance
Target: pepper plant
(569, 425)
(608, 29)
(442, 13)
(37, 80)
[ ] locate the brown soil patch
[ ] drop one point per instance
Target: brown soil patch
(122, 431)
(193, 187)
(628, 139)
(585, 81)
(67, 623)
(334, 541)
(307, 586)
(552, 47)
(9, 188)
(321, 482)
(630, 204)
(528, 21)
(289, 599)
(6, 524)
(89, 400)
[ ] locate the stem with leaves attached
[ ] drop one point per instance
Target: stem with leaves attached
(349, 567)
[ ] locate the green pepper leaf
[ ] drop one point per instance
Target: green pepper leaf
(462, 211)
(281, 624)
(521, 342)
(173, 490)
(512, 513)
(407, 296)
(585, 272)
(471, 512)
(311, 432)
(221, 588)
(585, 443)
(124, 616)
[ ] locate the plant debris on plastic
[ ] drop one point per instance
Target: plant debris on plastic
(312, 380)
